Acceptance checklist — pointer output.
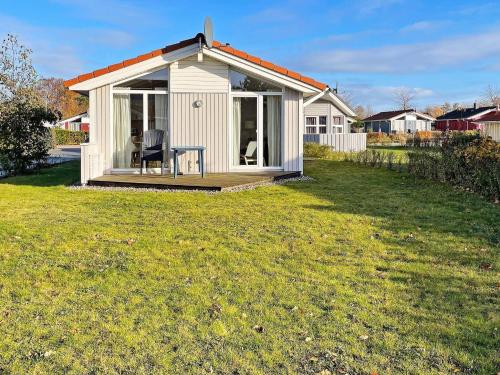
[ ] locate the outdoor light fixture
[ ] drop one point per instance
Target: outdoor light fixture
(198, 103)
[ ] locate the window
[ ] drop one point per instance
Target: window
(152, 81)
(316, 124)
(139, 104)
(311, 125)
(337, 120)
(243, 82)
(322, 125)
(337, 124)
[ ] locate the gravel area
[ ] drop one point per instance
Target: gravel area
(226, 190)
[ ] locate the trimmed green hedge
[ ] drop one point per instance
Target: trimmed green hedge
(468, 161)
(68, 137)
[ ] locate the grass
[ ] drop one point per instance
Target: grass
(361, 270)
(398, 150)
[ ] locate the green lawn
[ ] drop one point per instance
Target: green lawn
(361, 270)
(398, 150)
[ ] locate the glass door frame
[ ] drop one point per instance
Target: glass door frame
(260, 130)
(145, 94)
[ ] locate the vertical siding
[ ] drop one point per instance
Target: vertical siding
(293, 130)
(492, 130)
(204, 126)
(190, 75)
(325, 108)
(100, 128)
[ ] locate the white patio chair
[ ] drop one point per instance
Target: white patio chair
(249, 156)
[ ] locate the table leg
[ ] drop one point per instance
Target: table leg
(203, 163)
(176, 166)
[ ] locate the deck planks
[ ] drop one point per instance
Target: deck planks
(212, 181)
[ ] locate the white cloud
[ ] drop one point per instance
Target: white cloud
(118, 12)
(367, 7)
(60, 51)
(382, 97)
(424, 26)
(405, 58)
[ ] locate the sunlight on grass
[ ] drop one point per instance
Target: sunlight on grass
(361, 269)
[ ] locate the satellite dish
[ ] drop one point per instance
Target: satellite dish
(209, 32)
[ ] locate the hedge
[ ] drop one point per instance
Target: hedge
(468, 161)
(68, 137)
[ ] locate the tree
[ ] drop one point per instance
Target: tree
(491, 95)
(403, 98)
(58, 99)
(435, 111)
(24, 138)
(18, 77)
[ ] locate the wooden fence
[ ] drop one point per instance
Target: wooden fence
(347, 142)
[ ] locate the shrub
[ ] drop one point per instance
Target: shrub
(398, 138)
(24, 140)
(319, 151)
(68, 137)
(464, 160)
(316, 150)
(377, 137)
(391, 156)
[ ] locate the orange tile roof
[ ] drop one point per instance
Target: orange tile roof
(220, 46)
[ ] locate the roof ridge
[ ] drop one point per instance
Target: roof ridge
(184, 43)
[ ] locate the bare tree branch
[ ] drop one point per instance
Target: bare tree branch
(403, 98)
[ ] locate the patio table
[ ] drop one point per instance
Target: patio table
(201, 157)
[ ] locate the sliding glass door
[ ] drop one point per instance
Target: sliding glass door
(257, 131)
(271, 131)
(139, 105)
(245, 146)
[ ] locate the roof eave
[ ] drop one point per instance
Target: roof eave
(133, 69)
(260, 70)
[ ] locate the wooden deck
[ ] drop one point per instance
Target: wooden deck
(211, 182)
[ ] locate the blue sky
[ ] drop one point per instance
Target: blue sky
(442, 50)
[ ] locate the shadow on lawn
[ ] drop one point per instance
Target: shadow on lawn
(62, 174)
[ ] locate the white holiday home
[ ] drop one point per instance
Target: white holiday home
(248, 113)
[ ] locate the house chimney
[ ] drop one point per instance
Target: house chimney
(475, 105)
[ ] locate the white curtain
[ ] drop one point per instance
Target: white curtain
(236, 130)
(161, 116)
(274, 130)
(122, 124)
(161, 111)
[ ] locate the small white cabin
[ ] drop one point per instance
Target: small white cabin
(403, 121)
(326, 113)
(247, 112)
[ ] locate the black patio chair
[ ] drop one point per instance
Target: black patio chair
(152, 148)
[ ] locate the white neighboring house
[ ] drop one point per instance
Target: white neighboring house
(76, 123)
(200, 94)
(403, 121)
(326, 113)
(490, 124)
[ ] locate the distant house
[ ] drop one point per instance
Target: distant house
(490, 124)
(463, 118)
(326, 113)
(403, 121)
(76, 123)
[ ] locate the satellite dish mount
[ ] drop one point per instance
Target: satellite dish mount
(208, 32)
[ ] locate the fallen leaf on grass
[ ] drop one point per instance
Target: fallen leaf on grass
(258, 329)
(363, 337)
